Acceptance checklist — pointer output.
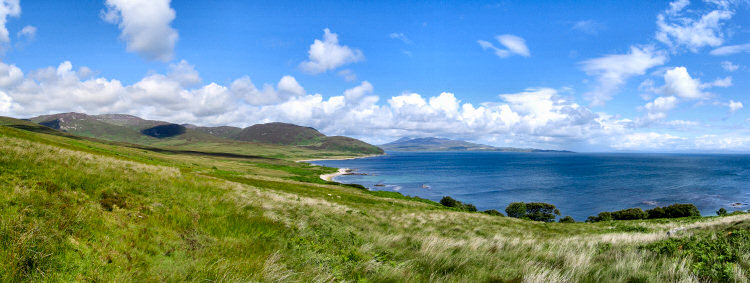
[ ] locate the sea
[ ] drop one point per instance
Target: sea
(579, 184)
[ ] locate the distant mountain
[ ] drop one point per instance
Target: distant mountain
(290, 134)
(442, 144)
(129, 128)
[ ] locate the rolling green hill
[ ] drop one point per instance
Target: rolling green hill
(251, 140)
(79, 209)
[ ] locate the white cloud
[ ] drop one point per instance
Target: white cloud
(513, 45)
(145, 26)
(184, 73)
(658, 108)
(348, 75)
(734, 106)
(27, 32)
(729, 66)
(720, 82)
(8, 8)
(676, 7)
(731, 49)
(676, 31)
(400, 36)
(590, 27)
(286, 88)
(646, 141)
(537, 117)
(328, 54)
(678, 82)
(358, 92)
(612, 71)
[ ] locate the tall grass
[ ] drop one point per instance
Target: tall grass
(82, 211)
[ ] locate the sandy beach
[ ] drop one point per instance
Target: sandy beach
(329, 177)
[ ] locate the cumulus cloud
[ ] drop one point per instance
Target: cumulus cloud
(734, 106)
(145, 26)
(590, 27)
(729, 66)
(535, 117)
(612, 71)
(658, 108)
(328, 54)
(678, 82)
(513, 45)
(731, 49)
(678, 31)
(8, 8)
(286, 88)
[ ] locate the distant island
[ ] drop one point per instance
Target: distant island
(443, 144)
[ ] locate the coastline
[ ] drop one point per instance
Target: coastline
(342, 158)
(329, 177)
(342, 171)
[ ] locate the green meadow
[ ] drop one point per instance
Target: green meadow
(81, 209)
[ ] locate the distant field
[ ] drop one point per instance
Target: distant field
(74, 209)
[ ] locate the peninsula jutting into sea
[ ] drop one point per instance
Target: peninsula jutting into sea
(378, 141)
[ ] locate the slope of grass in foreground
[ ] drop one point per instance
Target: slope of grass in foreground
(81, 210)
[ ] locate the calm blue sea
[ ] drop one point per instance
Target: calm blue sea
(579, 184)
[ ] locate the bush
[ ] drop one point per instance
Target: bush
(603, 216)
(567, 219)
(674, 211)
(629, 214)
(516, 210)
(493, 212)
(721, 212)
(451, 202)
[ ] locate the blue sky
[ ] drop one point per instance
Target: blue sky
(587, 76)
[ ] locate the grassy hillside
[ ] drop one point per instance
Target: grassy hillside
(76, 209)
(258, 138)
(289, 134)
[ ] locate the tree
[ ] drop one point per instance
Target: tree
(449, 202)
(539, 211)
(721, 212)
(516, 210)
(567, 219)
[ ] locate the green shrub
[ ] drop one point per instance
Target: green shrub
(674, 211)
(714, 254)
(451, 202)
(493, 212)
(721, 212)
(567, 219)
(629, 214)
(516, 210)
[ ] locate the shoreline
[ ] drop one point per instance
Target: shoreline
(341, 171)
(330, 176)
(339, 158)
